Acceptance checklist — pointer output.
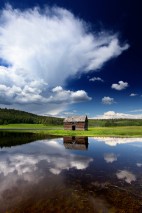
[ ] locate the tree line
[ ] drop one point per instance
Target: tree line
(115, 122)
(12, 116)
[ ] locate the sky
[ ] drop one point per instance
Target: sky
(71, 57)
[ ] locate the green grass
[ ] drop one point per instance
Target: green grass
(100, 132)
(128, 131)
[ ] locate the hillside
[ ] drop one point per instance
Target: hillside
(12, 116)
(114, 122)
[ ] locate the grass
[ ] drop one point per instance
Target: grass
(127, 131)
(100, 132)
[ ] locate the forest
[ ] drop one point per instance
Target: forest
(12, 116)
(114, 122)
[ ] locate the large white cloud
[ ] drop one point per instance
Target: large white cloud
(118, 115)
(61, 95)
(43, 48)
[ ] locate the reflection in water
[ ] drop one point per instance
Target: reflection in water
(110, 157)
(76, 143)
(126, 175)
(26, 159)
(27, 165)
(47, 176)
(8, 139)
(115, 141)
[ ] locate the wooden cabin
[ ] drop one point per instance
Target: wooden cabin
(76, 123)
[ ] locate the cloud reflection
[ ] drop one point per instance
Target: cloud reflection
(110, 157)
(126, 175)
(25, 163)
(53, 153)
(139, 164)
(115, 141)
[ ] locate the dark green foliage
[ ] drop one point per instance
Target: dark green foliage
(12, 116)
(114, 122)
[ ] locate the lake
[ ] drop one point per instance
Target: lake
(70, 174)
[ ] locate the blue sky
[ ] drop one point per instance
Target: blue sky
(64, 57)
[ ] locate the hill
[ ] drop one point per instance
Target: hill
(114, 122)
(12, 116)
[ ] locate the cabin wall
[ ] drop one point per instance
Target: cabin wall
(68, 126)
(77, 125)
(80, 126)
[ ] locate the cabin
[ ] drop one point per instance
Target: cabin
(76, 143)
(76, 123)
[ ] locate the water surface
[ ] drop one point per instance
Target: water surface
(71, 174)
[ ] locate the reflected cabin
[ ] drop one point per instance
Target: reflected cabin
(76, 123)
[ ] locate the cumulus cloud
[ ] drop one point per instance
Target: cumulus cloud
(31, 94)
(61, 96)
(117, 115)
(133, 94)
(126, 175)
(107, 100)
(110, 157)
(120, 86)
(96, 79)
(49, 46)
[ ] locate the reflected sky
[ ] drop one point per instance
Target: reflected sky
(115, 141)
(24, 168)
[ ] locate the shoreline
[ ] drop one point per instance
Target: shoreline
(113, 132)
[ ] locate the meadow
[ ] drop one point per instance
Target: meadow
(116, 131)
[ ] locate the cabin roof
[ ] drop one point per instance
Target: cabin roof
(76, 119)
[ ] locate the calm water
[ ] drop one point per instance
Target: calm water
(70, 174)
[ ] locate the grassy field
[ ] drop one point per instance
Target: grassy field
(100, 132)
(128, 131)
